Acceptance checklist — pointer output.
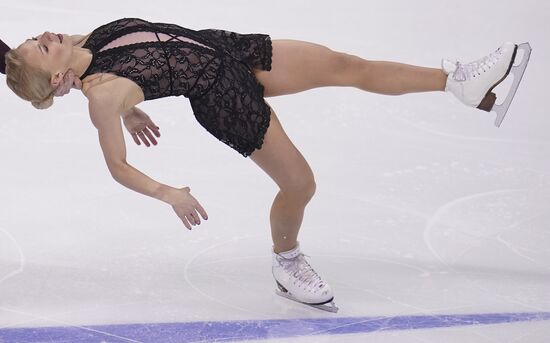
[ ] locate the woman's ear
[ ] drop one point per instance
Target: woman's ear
(56, 79)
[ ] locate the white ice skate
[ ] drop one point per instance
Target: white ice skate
(473, 83)
(296, 280)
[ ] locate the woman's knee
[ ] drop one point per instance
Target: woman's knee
(345, 68)
(301, 187)
(284, 163)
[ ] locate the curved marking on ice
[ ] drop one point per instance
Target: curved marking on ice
(202, 252)
(21, 258)
(443, 209)
(375, 259)
(439, 213)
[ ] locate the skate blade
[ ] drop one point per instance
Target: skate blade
(329, 307)
(518, 72)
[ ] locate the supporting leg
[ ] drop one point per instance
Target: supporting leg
(287, 213)
(282, 161)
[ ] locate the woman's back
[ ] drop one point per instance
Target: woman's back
(162, 59)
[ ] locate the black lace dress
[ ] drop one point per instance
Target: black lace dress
(213, 68)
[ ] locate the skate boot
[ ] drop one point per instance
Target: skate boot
(473, 83)
(296, 280)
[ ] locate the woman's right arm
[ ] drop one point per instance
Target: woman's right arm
(105, 117)
(138, 123)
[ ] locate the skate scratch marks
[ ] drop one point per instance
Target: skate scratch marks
(21, 258)
(262, 329)
(25, 335)
(446, 207)
(470, 138)
(514, 248)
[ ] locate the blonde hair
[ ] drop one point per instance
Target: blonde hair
(28, 82)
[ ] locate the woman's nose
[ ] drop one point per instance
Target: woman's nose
(46, 37)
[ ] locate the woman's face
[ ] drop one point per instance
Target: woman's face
(50, 52)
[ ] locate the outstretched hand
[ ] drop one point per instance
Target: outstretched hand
(69, 81)
(187, 207)
(141, 127)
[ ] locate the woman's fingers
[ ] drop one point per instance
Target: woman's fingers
(183, 218)
(141, 136)
(202, 211)
(144, 136)
(77, 83)
(190, 220)
(196, 218)
(150, 136)
(186, 223)
(68, 82)
(189, 210)
(153, 128)
(62, 90)
(136, 139)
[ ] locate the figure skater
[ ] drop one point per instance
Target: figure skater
(226, 77)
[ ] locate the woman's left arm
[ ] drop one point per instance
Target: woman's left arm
(105, 117)
(140, 126)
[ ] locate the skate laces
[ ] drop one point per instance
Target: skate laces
(466, 71)
(302, 272)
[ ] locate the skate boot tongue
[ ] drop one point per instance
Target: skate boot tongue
(448, 66)
(294, 262)
(304, 274)
(291, 253)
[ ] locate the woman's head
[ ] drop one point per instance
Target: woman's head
(36, 68)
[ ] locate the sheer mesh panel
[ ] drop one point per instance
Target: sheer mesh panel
(141, 37)
(213, 68)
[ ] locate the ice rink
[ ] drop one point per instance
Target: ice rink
(430, 224)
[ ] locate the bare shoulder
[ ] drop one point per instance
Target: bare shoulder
(126, 92)
(103, 95)
(104, 106)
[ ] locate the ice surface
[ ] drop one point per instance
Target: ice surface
(423, 208)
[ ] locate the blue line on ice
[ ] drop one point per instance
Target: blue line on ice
(255, 329)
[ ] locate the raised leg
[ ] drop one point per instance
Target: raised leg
(282, 161)
(298, 66)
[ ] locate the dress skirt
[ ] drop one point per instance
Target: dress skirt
(234, 110)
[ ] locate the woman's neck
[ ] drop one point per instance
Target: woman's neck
(81, 60)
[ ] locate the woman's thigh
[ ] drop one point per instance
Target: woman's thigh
(282, 161)
(298, 66)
